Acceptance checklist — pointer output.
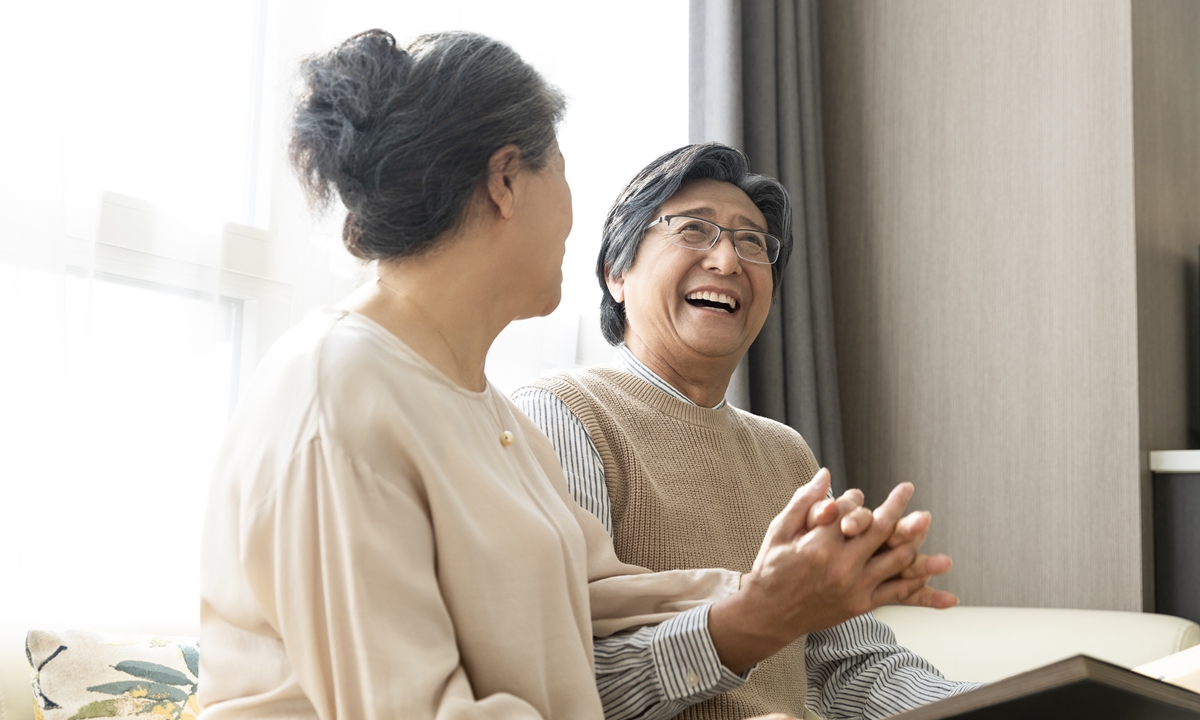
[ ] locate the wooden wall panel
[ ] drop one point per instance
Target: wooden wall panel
(979, 161)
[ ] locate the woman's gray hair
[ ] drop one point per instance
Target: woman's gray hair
(404, 135)
(638, 205)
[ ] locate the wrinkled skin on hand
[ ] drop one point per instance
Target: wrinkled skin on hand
(822, 563)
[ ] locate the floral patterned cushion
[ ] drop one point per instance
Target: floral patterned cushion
(79, 675)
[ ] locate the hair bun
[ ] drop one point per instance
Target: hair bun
(404, 135)
(343, 92)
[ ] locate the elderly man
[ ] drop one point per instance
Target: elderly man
(692, 254)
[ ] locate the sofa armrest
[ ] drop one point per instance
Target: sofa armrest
(985, 644)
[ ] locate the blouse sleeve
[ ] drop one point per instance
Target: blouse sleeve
(353, 654)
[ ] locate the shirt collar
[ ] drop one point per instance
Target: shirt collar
(625, 360)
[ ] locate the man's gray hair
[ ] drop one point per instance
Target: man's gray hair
(404, 135)
(639, 203)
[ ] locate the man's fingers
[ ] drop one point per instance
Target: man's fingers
(913, 592)
(852, 498)
(931, 598)
(892, 509)
(912, 527)
(927, 566)
(854, 519)
(822, 513)
(890, 562)
(850, 501)
(886, 516)
(897, 590)
(794, 519)
(856, 522)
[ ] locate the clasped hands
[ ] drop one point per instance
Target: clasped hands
(822, 562)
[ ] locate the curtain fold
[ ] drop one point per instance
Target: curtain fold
(755, 84)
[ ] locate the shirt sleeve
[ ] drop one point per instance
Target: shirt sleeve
(655, 671)
(857, 670)
(576, 453)
(659, 671)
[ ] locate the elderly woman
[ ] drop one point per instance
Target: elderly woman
(387, 536)
(692, 254)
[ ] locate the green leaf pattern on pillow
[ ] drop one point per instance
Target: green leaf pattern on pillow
(149, 688)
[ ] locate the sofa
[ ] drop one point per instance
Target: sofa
(965, 643)
(985, 644)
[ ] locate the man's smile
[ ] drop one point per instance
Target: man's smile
(705, 298)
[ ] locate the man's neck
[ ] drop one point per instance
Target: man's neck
(704, 382)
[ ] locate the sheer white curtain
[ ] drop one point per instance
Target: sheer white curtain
(153, 245)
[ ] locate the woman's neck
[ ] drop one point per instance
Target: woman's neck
(439, 308)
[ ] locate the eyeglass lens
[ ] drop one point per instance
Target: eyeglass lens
(750, 245)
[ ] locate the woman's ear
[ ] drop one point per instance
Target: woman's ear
(502, 168)
(616, 285)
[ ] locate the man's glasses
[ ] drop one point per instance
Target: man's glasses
(695, 234)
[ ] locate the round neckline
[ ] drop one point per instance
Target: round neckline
(485, 395)
(720, 419)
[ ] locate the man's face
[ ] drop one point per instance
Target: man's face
(680, 302)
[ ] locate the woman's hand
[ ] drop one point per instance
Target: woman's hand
(810, 576)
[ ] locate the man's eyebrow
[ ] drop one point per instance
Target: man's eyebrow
(707, 212)
(747, 222)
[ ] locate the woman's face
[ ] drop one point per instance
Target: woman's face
(544, 207)
(664, 290)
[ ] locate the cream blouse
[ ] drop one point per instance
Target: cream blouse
(373, 550)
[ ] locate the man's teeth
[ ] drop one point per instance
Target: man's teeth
(714, 297)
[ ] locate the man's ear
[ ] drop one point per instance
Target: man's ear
(502, 168)
(616, 285)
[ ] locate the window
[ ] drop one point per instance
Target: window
(154, 259)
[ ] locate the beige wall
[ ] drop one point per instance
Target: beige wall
(980, 169)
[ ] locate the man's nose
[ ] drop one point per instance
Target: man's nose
(723, 255)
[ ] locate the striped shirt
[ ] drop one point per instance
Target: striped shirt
(855, 670)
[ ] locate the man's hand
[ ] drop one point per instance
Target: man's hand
(854, 518)
(809, 576)
(848, 509)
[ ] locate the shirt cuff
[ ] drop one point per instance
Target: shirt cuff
(687, 663)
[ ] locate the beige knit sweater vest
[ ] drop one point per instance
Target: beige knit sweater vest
(689, 488)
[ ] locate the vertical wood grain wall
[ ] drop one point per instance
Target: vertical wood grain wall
(980, 170)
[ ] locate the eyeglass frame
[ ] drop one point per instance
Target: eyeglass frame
(720, 230)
